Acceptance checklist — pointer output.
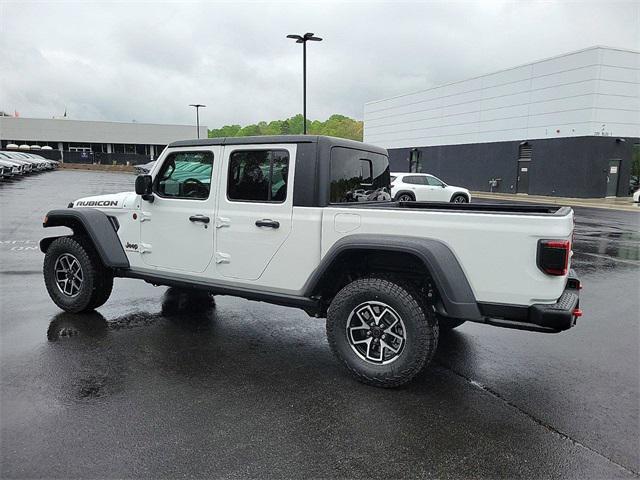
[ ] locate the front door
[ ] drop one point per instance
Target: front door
(612, 178)
(254, 217)
(438, 189)
(523, 177)
(176, 229)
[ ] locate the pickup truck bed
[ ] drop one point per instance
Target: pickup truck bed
(469, 207)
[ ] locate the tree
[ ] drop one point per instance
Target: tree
(335, 126)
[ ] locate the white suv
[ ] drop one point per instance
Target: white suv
(421, 187)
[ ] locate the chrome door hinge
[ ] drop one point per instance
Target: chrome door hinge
(144, 247)
(145, 217)
(222, 257)
(222, 222)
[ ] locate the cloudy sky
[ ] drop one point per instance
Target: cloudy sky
(146, 61)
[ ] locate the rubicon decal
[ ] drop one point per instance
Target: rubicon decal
(96, 203)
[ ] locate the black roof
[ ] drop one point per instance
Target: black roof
(327, 141)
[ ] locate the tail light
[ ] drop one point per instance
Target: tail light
(553, 256)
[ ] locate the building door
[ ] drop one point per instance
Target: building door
(523, 176)
(612, 178)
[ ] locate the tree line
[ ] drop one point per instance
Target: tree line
(335, 126)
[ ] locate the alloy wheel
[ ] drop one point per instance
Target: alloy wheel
(376, 332)
(68, 275)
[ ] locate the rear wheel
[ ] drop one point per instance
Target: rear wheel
(381, 332)
(405, 197)
(75, 277)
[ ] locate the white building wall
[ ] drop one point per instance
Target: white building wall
(591, 92)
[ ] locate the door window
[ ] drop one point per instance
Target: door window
(434, 182)
(258, 176)
(415, 180)
(185, 175)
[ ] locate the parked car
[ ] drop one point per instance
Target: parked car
(26, 162)
(7, 170)
(422, 187)
(636, 197)
(39, 163)
(25, 166)
(144, 168)
(388, 276)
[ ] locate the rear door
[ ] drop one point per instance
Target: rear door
(255, 208)
(418, 185)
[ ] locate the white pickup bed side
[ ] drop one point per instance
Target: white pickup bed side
(496, 251)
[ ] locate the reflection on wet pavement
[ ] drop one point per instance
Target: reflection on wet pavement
(163, 383)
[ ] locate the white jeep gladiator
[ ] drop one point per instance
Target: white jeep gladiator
(282, 220)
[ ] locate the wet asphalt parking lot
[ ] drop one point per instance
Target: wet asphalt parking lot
(156, 384)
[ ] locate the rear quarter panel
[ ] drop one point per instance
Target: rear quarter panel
(496, 251)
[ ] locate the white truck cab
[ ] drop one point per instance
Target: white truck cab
(308, 222)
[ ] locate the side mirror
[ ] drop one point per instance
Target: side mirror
(144, 184)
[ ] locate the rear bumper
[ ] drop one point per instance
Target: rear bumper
(550, 318)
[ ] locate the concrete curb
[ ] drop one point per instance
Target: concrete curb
(624, 204)
(99, 167)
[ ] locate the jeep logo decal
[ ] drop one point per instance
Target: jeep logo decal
(96, 203)
(133, 246)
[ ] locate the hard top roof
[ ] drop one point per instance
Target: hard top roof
(261, 140)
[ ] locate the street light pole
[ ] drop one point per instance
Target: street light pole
(197, 107)
(303, 39)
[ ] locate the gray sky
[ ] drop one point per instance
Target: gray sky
(147, 60)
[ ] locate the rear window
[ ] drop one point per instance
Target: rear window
(358, 176)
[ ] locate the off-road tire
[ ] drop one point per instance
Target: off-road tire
(419, 321)
(97, 280)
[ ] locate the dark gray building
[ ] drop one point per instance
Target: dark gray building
(566, 126)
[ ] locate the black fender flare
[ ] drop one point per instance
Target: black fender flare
(96, 225)
(455, 291)
(404, 191)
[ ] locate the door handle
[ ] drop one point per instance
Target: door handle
(265, 222)
(199, 218)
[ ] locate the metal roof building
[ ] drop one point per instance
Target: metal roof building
(574, 118)
(92, 137)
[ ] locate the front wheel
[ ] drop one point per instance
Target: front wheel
(459, 198)
(381, 332)
(75, 278)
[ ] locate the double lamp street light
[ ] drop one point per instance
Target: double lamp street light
(197, 106)
(303, 39)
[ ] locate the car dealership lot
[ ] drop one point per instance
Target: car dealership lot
(158, 384)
